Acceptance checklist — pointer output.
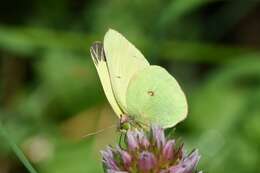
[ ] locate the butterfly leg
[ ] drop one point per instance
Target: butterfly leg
(122, 139)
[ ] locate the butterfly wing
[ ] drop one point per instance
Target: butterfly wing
(154, 96)
(99, 58)
(123, 61)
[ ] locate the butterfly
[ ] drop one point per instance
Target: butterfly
(136, 90)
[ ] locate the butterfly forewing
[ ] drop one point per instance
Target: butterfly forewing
(123, 61)
(99, 58)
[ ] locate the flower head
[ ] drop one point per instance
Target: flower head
(149, 152)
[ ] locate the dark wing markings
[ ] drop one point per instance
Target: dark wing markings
(150, 93)
(97, 52)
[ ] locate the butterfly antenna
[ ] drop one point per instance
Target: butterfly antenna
(98, 132)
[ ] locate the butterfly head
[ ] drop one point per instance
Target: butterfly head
(124, 123)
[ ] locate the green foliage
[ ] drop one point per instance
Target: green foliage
(18, 152)
(224, 119)
(50, 94)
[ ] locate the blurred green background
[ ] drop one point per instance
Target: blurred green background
(50, 94)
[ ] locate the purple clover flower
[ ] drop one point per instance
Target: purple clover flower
(149, 152)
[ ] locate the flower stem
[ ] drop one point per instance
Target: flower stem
(18, 152)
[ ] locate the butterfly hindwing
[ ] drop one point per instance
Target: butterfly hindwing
(154, 96)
